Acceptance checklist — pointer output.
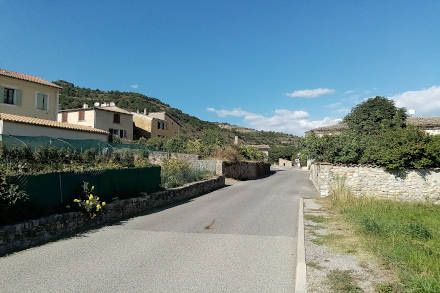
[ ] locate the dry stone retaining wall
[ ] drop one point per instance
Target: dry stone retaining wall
(245, 170)
(157, 157)
(34, 232)
(411, 185)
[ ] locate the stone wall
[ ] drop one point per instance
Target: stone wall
(35, 232)
(245, 170)
(213, 166)
(157, 157)
(412, 185)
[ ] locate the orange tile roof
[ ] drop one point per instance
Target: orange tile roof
(49, 123)
(27, 77)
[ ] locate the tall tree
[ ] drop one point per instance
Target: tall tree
(376, 115)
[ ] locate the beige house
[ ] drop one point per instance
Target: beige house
(284, 163)
(16, 125)
(430, 125)
(113, 119)
(264, 148)
(157, 124)
(28, 95)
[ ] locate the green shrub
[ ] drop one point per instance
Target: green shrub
(251, 153)
(176, 173)
(13, 202)
(396, 149)
(284, 152)
(19, 160)
(228, 153)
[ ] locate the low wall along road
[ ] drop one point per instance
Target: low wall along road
(411, 185)
(34, 232)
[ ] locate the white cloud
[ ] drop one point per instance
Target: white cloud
(310, 93)
(349, 92)
(294, 122)
(134, 86)
(425, 101)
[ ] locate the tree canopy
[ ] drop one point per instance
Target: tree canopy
(376, 115)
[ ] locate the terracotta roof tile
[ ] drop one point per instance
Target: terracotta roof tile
(27, 77)
(113, 109)
(107, 108)
(49, 123)
(424, 122)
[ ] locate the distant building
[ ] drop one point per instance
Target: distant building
(28, 95)
(115, 120)
(16, 125)
(430, 125)
(264, 148)
(156, 124)
(284, 163)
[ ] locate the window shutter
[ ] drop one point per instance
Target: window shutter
(17, 100)
(2, 94)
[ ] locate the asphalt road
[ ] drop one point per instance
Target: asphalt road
(241, 238)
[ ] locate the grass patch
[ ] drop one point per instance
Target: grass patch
(326, 239)
(314, 265)
(406, 235)
(316, 219)
(342, 281)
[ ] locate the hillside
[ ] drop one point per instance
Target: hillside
(72, 97)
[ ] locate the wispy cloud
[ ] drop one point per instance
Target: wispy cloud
(308, 94)
(424, 101)
(283, 120)
(134, 86)
(349, 92)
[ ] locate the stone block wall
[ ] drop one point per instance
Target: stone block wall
(34, 232)
(411, 185)
(245, 170)
(157, 157)
(213, 166)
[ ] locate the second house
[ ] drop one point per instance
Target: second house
(108, 117)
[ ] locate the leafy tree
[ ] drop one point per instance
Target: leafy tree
(176, 144)
(376, 115)
(284, 152)
(399, 149)
(251, 153)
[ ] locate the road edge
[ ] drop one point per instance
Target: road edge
(301, 279)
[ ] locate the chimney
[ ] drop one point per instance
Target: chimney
(85, 106)
(145, 111)
(137, 111)
(236, 140)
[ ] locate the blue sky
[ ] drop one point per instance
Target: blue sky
(274, 65)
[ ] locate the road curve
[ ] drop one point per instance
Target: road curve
(241, 238)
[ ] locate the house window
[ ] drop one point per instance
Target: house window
(8, 97)
(64, 116)
(81, 115)
(121, 133)
(158, 124)
(116, 118)
(42, 100)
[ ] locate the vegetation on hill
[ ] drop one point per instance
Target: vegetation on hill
(72, 97)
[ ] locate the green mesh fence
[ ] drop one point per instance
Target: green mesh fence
(34, 142)
(48, 191)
